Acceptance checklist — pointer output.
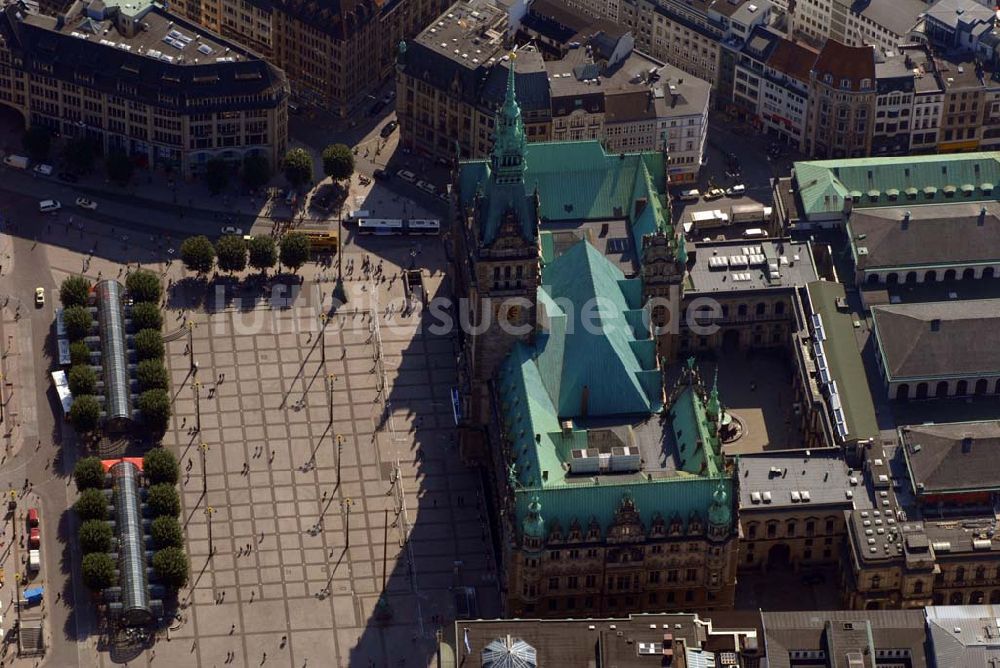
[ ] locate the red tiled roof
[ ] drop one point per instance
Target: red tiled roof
(854, 63)
(795, 60)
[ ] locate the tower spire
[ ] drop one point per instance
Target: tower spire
(509, 145)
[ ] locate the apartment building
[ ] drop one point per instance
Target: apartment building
(928, 96)
(894, 93)
(451, 81)
(690, 35)
(884, 24)
(842, 101)
(963, 107)
(141, 80)
(334, 55)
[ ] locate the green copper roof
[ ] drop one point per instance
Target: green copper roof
(684, 498)
(595, 360)
(721, 510)
(697, 443)
(574, 181)
(823, 184)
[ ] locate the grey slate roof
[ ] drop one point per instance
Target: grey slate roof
(842, 633)
(939, 339)
(953, 457)
(899, 16)
(946, 235)
(964, 636)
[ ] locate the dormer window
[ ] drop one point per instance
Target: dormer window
(828, 78)
(845, 84)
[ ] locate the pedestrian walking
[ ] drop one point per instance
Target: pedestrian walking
(232, 629)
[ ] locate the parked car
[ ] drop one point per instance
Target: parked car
(85, 203)
(39, 296)
(380, 174)
(34, 538)
(68, 177)
(43, 169)
(388, 128)
(426, 187)
(442, 195)
(407, 175)
(229, 229)
(49, 205)
(32, 517)
(16, 161)
(737, 190)
(692, 195)
(34, 561)
(714, 193)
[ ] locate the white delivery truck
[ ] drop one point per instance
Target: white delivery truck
(705, 219)
(750, 213)
(16, 161)
(34, 561)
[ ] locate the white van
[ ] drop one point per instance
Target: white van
(692, 195)
(754, 233)
(49, 205)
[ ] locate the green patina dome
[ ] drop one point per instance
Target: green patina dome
(533, 525)
(719, 512)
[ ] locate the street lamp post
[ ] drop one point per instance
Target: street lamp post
(204, 467)
(329, 383)
(322, 338)
(340, 454)
(209, 510)
(347, 503)
(197, 406)
(190, 326)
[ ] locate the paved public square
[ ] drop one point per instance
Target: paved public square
(298, 524)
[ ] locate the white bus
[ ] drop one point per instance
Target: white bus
(423, 226)
(380, 226)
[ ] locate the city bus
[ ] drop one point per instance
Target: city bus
(423, 226)
(380, 226)
(322, 242)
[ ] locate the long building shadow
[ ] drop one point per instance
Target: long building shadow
(445, 567)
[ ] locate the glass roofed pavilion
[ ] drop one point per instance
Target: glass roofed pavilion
(136, 607)
(599, 471)
(114, 355)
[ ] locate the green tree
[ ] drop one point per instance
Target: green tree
(89, 473)
(37, 142)
(91, 505)
(294, 250)
(231, 251)
(338, 162)
(95, 536)
(171, 565)
(79, 154)
(256, 171)
(298, 167)
(160, 465)
(216, 175)
(98, 571)
(85, 413)
(166, 532)
(78, 321)
(144, 286)
(146, 315)
(82, 380)
(149, 344)
(162, 499)
(198, 254)
(155, 407)
(152, 375)
(79, 353)
(119, 167)
(74, 291)
(263, 253)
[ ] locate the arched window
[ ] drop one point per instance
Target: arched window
(960, 574)
(761, 308)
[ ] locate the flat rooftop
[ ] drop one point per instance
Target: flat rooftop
(611, 237)
(746, 266)
(471, 33)
(899, 16)
(800, 478)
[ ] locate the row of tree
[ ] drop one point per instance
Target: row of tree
(233, 253)
(96, 537)
(147, 320)
(80, 153)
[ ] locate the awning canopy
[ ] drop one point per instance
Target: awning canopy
(874, 194)
(986, 187)
(911, 191)
(855, 194)
(892, 192)
(949, 189)
(930, 190)
(968, 188)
